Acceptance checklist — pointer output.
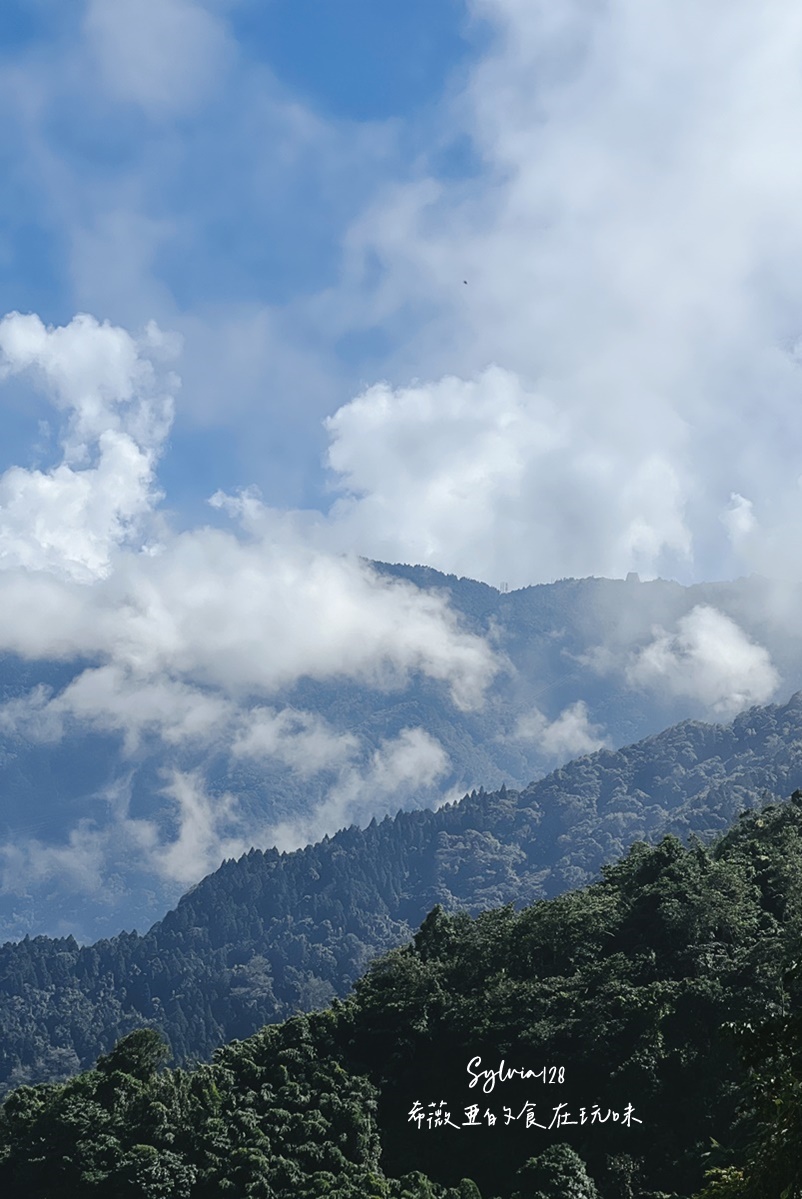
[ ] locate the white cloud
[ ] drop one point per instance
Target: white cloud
(568, 736)
(196, 829)
(81, 863)
(633, 251)
(709, 659)
(402, 764)
(260, 614)
(398, 771)
(69, 519)
(632, 242)
(188, 632)
(163, 55)
(739, 518)
(206, 829)
(33, 716)
(209, 829)
(301, 740)
(615, 369)
(246, 613)
(87, 857)
(112, 699)
(487, 473)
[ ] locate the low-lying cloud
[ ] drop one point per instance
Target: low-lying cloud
(301, 740)
(190, 636)
(708, 659)
(569, 735)
(242, 613)
(491, 475)
(394, 773)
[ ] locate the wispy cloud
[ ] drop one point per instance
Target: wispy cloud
(301, 740)
(570, 735)
(161, 55)
(394, 774)
(208, 829)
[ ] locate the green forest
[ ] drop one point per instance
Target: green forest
(650, 1027)
(275, 934)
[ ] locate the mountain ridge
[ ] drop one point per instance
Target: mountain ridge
(275, 933)
(586, 662)
(645, 1033)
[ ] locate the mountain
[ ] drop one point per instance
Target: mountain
(638, 1038)
(276, 933)
(113, 801)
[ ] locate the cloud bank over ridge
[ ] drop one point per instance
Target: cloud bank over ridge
(574, 351)
(189, 629)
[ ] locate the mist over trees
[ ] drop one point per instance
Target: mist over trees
(274, 934)
(583, 663)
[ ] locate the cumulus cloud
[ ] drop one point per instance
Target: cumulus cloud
(570, 735)
(620, 374)
(709, 658)
(248, 616)
(68, 520)
(187, 633)
(632, 245)
(253, 612)
(631, 236)
(488, 471)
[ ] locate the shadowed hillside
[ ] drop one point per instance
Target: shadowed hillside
(92, 815)
(272, 934)
(616, 1042)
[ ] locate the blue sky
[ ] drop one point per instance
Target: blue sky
(218, 193)
(298, 191)
(504, 287)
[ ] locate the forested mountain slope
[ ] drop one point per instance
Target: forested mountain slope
(272, 934)
(626, 1014)
(90, 822)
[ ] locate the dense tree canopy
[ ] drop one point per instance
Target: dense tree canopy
(666, 993)
(274, 934)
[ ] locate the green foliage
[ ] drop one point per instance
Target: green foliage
(139, 1055)
(270, 1117)
(273, 934)
(669, 985)
(558, 1170)
(629, 983)
(772, 1049)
